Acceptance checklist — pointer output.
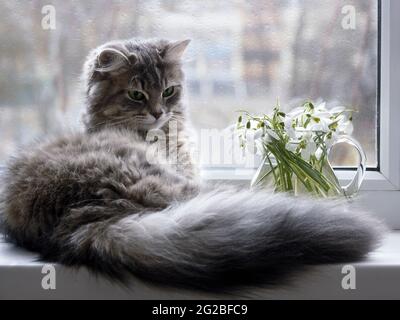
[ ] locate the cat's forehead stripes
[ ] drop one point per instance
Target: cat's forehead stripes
(149, 70)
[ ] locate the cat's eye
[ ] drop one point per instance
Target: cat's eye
(168, 92)
(136, 95)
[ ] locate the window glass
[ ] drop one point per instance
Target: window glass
(243, 55)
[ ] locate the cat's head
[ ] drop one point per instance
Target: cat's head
(134, 84)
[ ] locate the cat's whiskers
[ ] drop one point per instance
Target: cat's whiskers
(116, 123)
(110, 123)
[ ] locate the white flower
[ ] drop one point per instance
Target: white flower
(258, 133)
(252, 136)
(251, 147)
(345, 127)
(321, 107)
(302, 133)
(337, 110)
(292, 133)
(330, 142)
(309, 150)
(322, 115)
(295, 113)
(288, 123)
(292, 145)
(272, 134)
(302, 126)
(320, 121)
(259, 147)
(322, 125)
(318, 153)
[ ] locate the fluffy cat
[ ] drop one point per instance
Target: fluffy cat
(95, 199)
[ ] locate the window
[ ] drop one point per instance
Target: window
(245, 54)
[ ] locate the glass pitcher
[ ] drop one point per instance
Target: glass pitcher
(262, 178)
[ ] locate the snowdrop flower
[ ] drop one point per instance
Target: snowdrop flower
(288, 123)
(253, 139)
(322, 124)
(294, 134)
(292, 145)
(345, 127)
(290, 130)
(295, 113)
(251, 147)
(258, 133)
(259, 147)
(330, 141)
(337, 110)
(272, 134)
(307, 132)
(321, 107)
(302, 133)
(308, 150)
(321, 115)
(250, 142)
(319, 153)
(252, 134)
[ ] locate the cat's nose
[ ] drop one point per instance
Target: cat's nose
(156, 114)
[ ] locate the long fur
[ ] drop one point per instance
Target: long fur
(222, 239)
(95, 199)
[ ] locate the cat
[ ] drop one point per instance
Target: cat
(96, 198)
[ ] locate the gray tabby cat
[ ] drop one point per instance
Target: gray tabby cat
(95, 199)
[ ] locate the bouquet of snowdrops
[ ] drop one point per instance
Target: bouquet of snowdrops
(295, 146)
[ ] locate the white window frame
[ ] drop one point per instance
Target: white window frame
(380, 191)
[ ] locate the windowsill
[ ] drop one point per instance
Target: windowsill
(376, 278)
(373, 180)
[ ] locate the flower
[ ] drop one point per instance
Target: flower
(345, 126)
(295, 145)
(295, 112)
(320, 123)
(307, 130)
(272, 134)
(252, 137)
(309, 150)
(337, 110)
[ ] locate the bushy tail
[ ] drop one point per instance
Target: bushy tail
(223, 239)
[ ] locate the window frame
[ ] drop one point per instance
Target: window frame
(389, 94)
(380, 191)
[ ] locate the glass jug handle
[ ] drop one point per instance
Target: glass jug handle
(354, 185)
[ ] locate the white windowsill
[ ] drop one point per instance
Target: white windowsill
(376, 278)
(373, 180)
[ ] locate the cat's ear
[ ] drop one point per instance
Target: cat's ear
(112, 59)
(175, 50)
